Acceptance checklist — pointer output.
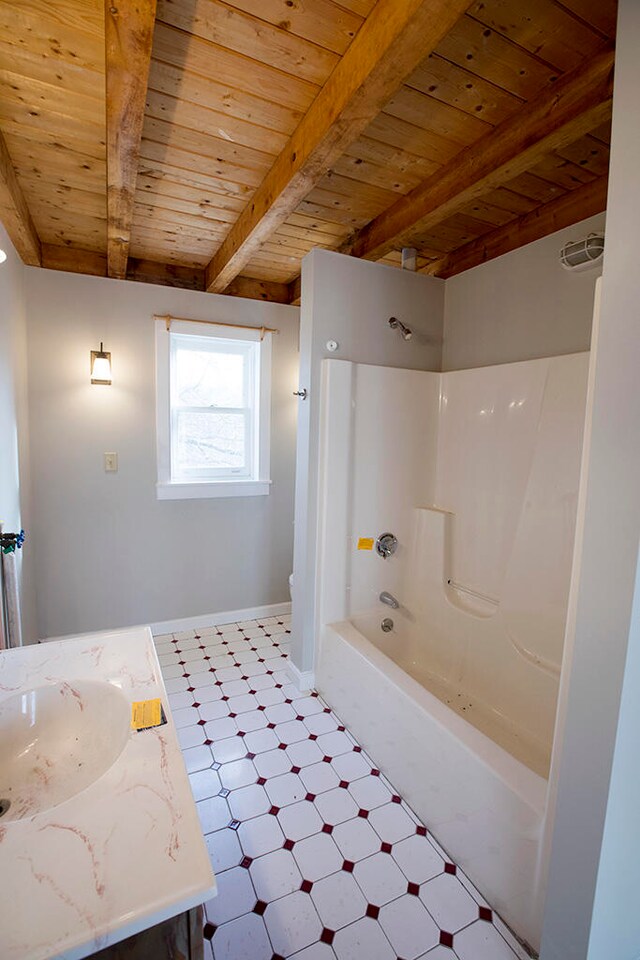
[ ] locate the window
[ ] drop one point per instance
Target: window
(213, 393)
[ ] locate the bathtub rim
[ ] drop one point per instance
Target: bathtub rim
(529, 786)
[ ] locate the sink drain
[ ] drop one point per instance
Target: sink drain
(4, 806)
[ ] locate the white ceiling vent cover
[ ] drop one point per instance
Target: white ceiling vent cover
(583, 254)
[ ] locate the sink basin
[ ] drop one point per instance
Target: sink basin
(55, 741)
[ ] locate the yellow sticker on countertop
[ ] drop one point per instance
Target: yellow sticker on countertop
(146, 713)
(366, 543)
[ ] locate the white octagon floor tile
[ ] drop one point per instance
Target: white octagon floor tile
(214, 814)
(213, 710)
(351, 766)
(363, 940)
(191, 737)
(369, 793)
(248, 802)
(334, 744)
(356, 839)
(336, 806)
(448, 902)
(417, 859)
(291, 732)
(238, 773)
(292, 923)
(280, 713)
(272, 764)
(204, 784)
(285, 789)
(260, 835)
(409, 927)
(220, 729)
(197, 758)
(391, 822)
(226, 751)
(259, 741)
(235, 897)
(304, 753)
(300, 820)
(275, 875)
(224, 849)
(317, 951)
(338, 900)
(319, 777)
(481, 941)
(317, 856)
(380, 879)
(242, 939)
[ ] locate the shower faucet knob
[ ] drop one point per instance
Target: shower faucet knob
(386, 545)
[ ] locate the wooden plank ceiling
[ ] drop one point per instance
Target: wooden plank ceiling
(216, 142)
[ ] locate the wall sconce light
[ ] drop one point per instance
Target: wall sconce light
(100, 366)
(3, 256)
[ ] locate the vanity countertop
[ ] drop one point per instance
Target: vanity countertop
(124, 853)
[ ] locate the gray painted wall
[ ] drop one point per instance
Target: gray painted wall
(108, 553)
(520, 306)
(14, 446)
(349, 301)
(594, 877)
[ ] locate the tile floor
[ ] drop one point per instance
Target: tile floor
(316, 855)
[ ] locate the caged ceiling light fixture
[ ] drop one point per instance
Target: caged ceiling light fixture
(101, 366)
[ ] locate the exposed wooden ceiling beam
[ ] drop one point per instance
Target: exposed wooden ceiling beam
(295, 291)
(128, 39)
(396, 36)
(585, 201)
(14, 212)
(576, 104)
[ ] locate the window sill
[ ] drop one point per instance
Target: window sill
(201, 490)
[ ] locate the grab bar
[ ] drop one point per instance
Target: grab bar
(472, 593)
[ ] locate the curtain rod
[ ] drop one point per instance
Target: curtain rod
(215, 323)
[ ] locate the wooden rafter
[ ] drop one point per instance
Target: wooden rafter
(395, 38)
(577, 205)
(576, 104)
(14, 212)
(128, 40)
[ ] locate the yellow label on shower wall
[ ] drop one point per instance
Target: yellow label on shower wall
(146, 713)
(366, 543)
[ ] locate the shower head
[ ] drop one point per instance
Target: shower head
(404, 331)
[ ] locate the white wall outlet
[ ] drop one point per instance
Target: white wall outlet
(110, 462)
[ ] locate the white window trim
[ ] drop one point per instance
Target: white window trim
(168, 489)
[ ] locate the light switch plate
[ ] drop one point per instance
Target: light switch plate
(110, 462)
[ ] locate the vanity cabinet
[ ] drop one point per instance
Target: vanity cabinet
(179, 938)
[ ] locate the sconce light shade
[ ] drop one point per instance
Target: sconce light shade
(3, 256)
(100, 366)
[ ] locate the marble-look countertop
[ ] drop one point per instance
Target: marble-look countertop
(125, 853)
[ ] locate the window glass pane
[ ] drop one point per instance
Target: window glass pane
(210, 441)
(204, 378)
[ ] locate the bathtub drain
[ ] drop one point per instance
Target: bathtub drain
(387, 625)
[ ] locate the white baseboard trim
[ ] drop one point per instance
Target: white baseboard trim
(303, 679)
(214, 619)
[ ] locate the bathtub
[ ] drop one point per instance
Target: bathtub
(484, 806)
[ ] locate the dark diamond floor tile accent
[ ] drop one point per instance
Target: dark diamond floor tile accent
(208, 742)
(413, 889)
(450, 868)
(375, 773)
(341, 729)
(261, 781)
(446, 939)
(348, 866)
(327, 828)
(201, 723)
(190, 690)
(274, 811)
(327, 935)
(421, 831)
(310, 796)
(208, 930)
(260, 907)
(313, 736)
(195, 705)
(396, 799)
(344, 784)
(385, 847)
(372, 911)
(363, 813)
(250, 756)
(295, 769)
(357, 749)
(246, 862)
(306, 886)
(282, 746)
(326, 759)
(289, 844)
(485, 914)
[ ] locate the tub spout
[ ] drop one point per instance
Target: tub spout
(389, 599)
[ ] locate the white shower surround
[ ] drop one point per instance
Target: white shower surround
(498, 450)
